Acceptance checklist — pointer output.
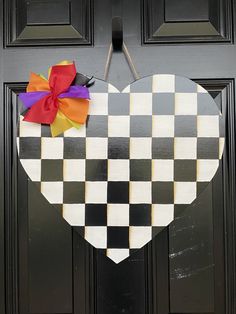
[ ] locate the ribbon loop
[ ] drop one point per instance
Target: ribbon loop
(45, 97)
(61, 78)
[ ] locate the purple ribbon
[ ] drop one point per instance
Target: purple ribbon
(75, 91)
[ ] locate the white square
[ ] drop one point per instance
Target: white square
(162, 214)
(118, 126)
(96, 148)
(118, 214)
(117, 255)
(201, 90)
(140, 103)
(162, 83)
(53, 192)
(29, 129)
(185, 148)
(184, 192)
(221, 146)
(185, 103)
(74, 170)
(18, 145)
(118, 170)
(96, 192)
(163, 126)
(74, 132)
(208, 126)
(162, 170)
(206, 169)
(140, 148)
(112, 89)
(74, 214)
(32, 168)
(126, 89)
(98, 104)
(52, 148)
(139, 236)
(97, 236)
(140, 192)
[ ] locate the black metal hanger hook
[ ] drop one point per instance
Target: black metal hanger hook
(117, 33)
(117, 44)
(117, 25)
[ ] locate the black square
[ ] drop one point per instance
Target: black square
(184, 85)
(140, 215)
(142, 86)
(30, 147)
(140, 170)
(74, 148)
(118, 148)
(207, 148)
(163, 148)
(96, 169)
(99, 87)
(73, 192)
(201, 186)
(46, 130)
(59, 208)
(38, 185)
(140, 126)
(95, 215)
(162, 192)
(97, 126)
(118, 237)
(185, 170)
(206, 105)
(156, 230)
(80, 230)
(118, 192)
(51, 170)
(118, 104)
(221, 126)
(179, 210)
(163, 104)
(185, 126)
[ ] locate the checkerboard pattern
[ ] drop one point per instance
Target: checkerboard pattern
(143, 154)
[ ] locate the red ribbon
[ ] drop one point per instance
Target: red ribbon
(44, 111)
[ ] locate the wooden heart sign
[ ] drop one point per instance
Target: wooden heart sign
(143, 153)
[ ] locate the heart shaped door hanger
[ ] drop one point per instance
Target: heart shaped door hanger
(143, 153)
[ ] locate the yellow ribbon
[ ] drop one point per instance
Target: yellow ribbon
(61, 124)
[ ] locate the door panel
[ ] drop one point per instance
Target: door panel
(182, 21)
(45, 22)
(49, 258)
(181, 271)
(46, 267)
(191, 258)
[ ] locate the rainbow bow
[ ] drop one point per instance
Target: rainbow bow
(55, 101)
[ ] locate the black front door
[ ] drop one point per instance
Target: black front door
(46, 267)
